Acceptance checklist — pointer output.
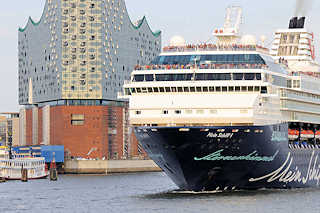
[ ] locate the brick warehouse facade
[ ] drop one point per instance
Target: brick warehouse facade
(85, 131)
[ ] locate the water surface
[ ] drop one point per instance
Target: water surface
(144, 193)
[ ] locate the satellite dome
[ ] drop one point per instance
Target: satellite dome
(248, 40)
(177, 41)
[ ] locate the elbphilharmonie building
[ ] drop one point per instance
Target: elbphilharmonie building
(72, 64)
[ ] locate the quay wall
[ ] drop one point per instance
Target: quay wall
(85, 166)
(124, 166)
(109, 166)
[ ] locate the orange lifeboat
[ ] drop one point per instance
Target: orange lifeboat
(307, 134)
(293, 134)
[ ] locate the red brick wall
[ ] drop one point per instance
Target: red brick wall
(133, 145)
(119, 136)
(28, 126)
(40, 124)
(78, 140)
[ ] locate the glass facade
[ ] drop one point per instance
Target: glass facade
(82, 103)
(209, 59)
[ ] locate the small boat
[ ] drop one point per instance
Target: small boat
(293, 134)
(11, 168)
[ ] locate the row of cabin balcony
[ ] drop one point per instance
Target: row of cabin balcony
(213, 47)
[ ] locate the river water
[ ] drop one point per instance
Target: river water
(144, 193)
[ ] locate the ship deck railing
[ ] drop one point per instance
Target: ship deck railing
(202, 66)
(213, 47)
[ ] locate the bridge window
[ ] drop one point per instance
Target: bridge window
(209, 59)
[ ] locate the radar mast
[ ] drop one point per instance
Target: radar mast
(230, 33)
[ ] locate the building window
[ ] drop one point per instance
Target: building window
(77, 119)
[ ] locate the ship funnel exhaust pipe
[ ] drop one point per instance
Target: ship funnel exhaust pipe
(301, 22)
(296, 23)
(293, 23)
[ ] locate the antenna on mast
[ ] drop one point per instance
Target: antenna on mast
(230, 33)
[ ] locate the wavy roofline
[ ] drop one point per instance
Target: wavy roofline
(137, 27)
(141, 22)
(34, 23)
(144, 19)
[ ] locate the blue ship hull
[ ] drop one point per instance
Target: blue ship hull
(230, 157)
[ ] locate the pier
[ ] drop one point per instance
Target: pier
(109, 166)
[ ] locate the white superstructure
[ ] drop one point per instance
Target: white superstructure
(228, 84)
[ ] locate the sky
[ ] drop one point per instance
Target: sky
(193, 20)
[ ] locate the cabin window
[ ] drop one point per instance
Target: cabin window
(149, 77)
(264, 90)
(177, 111)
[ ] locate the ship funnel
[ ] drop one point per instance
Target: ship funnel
(301, 22)
(296, 23)
(293, 23)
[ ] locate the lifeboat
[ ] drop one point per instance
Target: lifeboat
(307, 134)
(293, 134)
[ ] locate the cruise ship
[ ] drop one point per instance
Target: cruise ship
(232, 115)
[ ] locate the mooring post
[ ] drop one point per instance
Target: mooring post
(53, 169)
(24, 174)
